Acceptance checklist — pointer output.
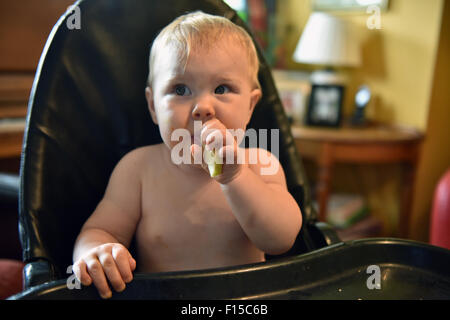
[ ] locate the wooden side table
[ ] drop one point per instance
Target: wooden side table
(369, 145)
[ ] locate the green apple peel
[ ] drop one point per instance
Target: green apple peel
(213, 162)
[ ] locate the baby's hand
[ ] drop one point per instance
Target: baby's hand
(215, 137)
(110, 261)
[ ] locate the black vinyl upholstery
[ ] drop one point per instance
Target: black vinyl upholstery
(87, 109)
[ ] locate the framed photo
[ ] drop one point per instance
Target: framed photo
(325, 105)
(293, 88)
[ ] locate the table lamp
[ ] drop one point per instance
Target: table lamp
(327, 41)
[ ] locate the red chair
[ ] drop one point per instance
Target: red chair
(10, 277)
(10, 251)
(440, 214)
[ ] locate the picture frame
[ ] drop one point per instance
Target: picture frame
(293, 88)
(325, 105)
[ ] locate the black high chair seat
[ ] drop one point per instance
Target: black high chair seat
(87, 109)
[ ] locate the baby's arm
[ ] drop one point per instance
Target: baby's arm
(100, 251)
(266, 211)
(261, 203)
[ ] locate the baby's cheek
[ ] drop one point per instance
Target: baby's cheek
(164, 119)
(234, 118)
(234, 123)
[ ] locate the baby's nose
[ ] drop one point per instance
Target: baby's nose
(203, 111)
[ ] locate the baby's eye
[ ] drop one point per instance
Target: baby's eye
(182, 90)
(222, 89)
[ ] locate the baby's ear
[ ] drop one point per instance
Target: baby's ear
(255, 95)
(150, 103)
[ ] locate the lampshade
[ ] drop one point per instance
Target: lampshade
(327, 40)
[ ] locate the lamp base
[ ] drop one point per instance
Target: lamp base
(327, 76)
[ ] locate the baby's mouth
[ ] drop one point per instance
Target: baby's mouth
(196, 140)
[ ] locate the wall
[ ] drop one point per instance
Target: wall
(396, 58)
(435, 159)
(24, 28)
(398, 64)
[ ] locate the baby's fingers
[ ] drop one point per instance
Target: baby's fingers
(132, 262)
(81, 273)
(112, 272)
(124, 263)
(215, 140)
(95, 270)
(231, 154)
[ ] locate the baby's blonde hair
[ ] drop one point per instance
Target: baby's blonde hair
(199, 29)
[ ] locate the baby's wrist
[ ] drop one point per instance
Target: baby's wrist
(225, 179)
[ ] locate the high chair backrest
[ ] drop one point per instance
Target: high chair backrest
(87, 109)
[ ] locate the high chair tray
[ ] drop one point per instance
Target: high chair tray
(407, 270)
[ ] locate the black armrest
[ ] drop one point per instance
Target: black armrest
(324, 233)
(331, 273)
(37, 272)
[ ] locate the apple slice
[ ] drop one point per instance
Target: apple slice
(211, 160)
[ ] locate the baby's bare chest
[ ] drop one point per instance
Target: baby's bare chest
(187, 215)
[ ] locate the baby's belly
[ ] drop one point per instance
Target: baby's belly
(193, 240)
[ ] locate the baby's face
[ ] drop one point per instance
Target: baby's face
(215, 83)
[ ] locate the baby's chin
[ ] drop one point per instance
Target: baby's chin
(181, 146)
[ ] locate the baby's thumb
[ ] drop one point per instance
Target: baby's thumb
(197, 154)
(132, 263)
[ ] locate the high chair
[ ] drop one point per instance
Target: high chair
(87, 109)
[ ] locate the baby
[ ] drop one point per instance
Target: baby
(203, 75)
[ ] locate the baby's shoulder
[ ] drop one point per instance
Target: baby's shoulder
(143, 153)
(141, 157)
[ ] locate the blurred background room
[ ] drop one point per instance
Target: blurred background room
(365, 84)
(374, 161)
